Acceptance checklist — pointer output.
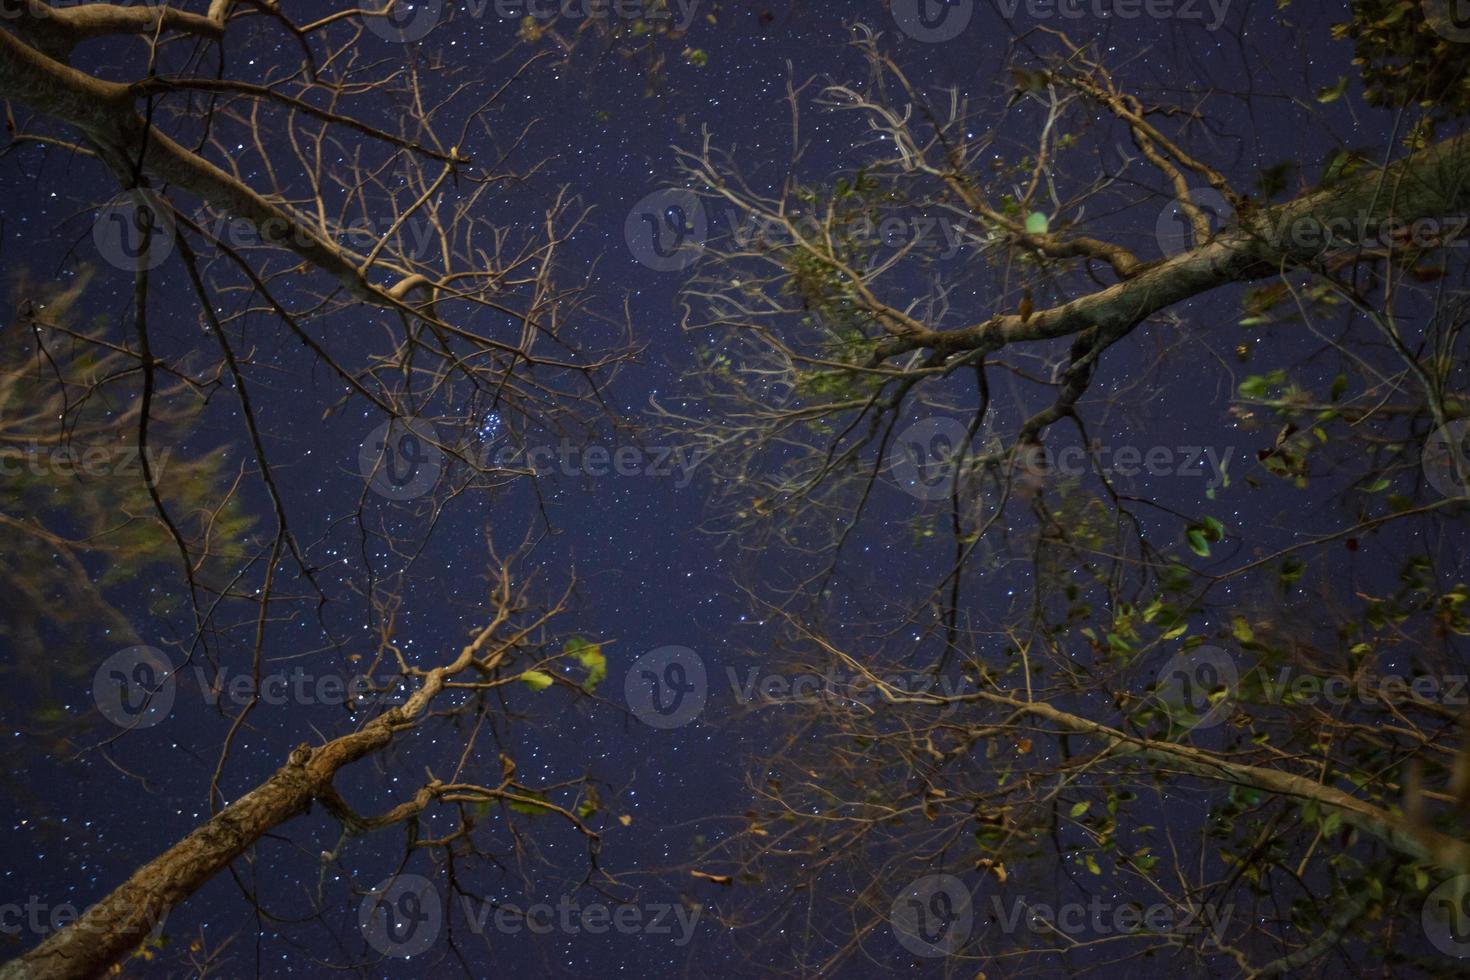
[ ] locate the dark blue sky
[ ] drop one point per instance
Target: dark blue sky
(649, 577)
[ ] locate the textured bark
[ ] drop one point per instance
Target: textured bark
(1423, 843)
(1432, 183)
(103, 112)
(118, 923)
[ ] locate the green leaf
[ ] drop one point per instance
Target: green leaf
(1291, 570)
(590, 656)
(589, 806)
(1078, 809)
(1092, 865)
(1241, 630)
(538, 680)
(529, 806)
(1037, 223)
(1333, 92)
(1197, 542)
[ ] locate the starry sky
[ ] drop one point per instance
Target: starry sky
(648, 576)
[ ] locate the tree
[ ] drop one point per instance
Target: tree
(1129, 684)
(1045, 677)
(315, 197)
(77, 495)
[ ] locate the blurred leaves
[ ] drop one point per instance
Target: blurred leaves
(79, 519)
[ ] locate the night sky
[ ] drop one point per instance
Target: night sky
(89, 806)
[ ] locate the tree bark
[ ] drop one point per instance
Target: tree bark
(1430, 183)
(116, 925)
